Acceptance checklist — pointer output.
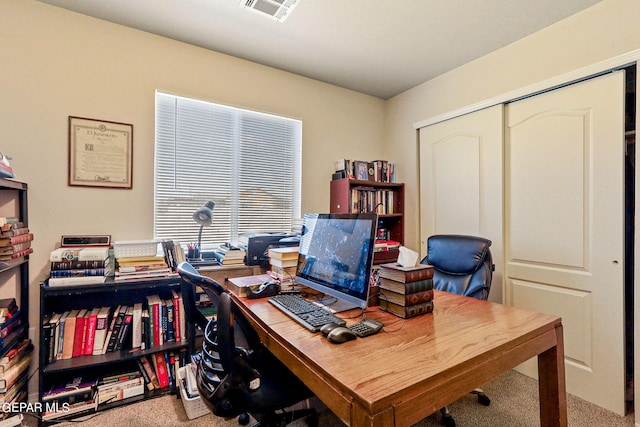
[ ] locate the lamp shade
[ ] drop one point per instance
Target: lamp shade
(204, 215)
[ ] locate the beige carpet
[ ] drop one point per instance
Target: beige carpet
(514, 403)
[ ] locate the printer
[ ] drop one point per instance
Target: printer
(257, 244)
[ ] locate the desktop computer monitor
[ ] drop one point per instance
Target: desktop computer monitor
(336, 253)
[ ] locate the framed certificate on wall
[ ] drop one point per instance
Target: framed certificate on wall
(100, 153)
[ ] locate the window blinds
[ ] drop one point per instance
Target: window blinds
(248, 163)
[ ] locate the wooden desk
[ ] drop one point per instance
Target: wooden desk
(423, 363)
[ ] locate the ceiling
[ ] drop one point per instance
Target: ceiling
(376, 47)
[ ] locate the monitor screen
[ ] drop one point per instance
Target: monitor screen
(336, 253)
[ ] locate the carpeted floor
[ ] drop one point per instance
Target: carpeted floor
(514, 403)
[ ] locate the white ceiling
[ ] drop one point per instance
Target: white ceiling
(377, 47)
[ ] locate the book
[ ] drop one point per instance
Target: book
(90, 336)
(78, 389)
(16, 229)
(406, 311)
(79, 254)
(395, 271)
(79, 272)
(79, 334)
(147, 378)
(78, 265)
(54, 282)
(14, 240)
(148, 367)
(286, 253)
(102, 327)
(16, 255)
(15, 248)
(125, 329)
(180, 316)
(112, 325)
(405, 288)
(406, 299)
(160, 366)
(67, 410)
(60, 335)
(110, 393)
(8, 377)
(69, 334)
(14, 355)
(170, 329)
(283, 263)
(136, 326)
(119, 321)
(10, 325)
(239, 285)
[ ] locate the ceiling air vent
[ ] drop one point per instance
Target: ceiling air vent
(275, 9)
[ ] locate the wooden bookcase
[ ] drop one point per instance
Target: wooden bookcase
(14, 274)
(59, 299)
(386, 198)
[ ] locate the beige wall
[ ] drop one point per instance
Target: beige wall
(57, 63)
(604, 31)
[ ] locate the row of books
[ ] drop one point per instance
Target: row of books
(367, 199)
(100, 330)
(284, 262)
(374, 170)
(15, 239)
(85, 395)
(406, 291)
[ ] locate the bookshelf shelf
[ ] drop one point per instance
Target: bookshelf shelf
(387, 198)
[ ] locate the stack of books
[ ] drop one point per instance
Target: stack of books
(14, 373)
(227, 254)
(115, 388)
(141, 267)
(15, 239)
(406, 291)
(284, 262)
(79, 266)
(10, 318)
(65, 399)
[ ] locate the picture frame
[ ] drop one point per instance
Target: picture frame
(100, 153)
(361, 170)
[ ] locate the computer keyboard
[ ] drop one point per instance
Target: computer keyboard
(305, 312)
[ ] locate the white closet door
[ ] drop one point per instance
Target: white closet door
(564, 228)
(461, 182)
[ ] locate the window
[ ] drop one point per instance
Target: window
(246, 162)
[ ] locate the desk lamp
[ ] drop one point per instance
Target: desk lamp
(203, 216)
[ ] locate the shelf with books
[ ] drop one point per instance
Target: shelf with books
(99, 305)
(14, 280)
(385, 198)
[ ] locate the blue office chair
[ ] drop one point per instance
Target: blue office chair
(236, 374)
(462, 265)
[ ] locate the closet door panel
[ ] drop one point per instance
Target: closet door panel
(461, 182)
(564, 201)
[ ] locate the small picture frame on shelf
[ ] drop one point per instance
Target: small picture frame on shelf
(361, 170)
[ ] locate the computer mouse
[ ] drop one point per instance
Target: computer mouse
(325, 329)
(340, 335)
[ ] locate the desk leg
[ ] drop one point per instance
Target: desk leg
(552, 386)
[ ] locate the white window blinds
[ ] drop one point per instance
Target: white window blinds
(246, 162)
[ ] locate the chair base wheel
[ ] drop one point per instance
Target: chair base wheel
(484, 400)
(244, 419)
(448, 421)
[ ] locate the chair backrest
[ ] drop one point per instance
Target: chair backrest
(462, 264)
(224, 373)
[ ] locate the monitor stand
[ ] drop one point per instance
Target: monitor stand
(335, 305)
